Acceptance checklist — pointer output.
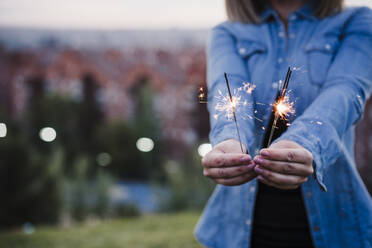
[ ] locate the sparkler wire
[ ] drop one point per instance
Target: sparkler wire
(233, 110)
(282, 95)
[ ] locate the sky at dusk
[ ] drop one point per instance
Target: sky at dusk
(117, 14)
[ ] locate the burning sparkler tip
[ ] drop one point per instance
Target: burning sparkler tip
(202, 96)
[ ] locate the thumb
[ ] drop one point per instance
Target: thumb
(283, 144)
(231, 146)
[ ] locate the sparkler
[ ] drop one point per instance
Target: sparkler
(229, 104)
(233, 104)
(282, 107)
(202, 96)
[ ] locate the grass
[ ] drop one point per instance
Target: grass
(155, 231)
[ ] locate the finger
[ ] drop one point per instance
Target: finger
(228, 172)
(285, 144)
(230, 146)
(217, 160)
(237, 180)
(288, 168)
(278, 178)
(289, 155)
(272, 184)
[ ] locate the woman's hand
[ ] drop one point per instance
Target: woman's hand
(226, 164)
(284, 165)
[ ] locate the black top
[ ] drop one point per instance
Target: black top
(280, 218)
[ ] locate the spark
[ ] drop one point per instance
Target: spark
(299, 69)
(294, 68)
(202, 96)
(227, 106)
(248, 87)
(284, 107)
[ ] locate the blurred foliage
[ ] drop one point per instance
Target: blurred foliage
(126, 211)
(86, 197)
(49, 182)
(119, 140)
(102, 186)
(30, 183)
(79, 190)
(188, 187)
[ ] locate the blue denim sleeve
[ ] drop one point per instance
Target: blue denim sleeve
(341, 101)
(222, 56)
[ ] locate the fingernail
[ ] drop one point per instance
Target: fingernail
(264, 153)
(246, 159)
(259, 177)
(250, 166)
(259, 160)
(258, 169)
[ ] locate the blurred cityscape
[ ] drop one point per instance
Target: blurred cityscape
(100, 123)
(97, 124)
(118, 64)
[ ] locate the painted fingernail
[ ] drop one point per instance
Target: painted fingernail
(264, 153)
(258, 169)
(246, 159)
(251, 166)
(259, 160)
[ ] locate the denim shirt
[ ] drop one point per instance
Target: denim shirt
(332, 79)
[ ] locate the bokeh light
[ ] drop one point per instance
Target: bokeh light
(3, 130)
(103, 159)
(48, 134)
(145, 144)
(28, 228)
(203, 149)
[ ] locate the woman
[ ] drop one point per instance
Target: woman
(303, 190)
